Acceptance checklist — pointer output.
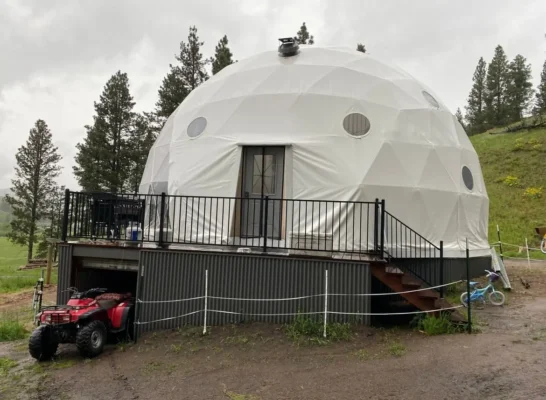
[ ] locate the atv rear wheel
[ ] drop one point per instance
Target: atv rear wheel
(42, 344)
(91, 338)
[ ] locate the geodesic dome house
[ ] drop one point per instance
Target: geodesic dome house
(323, 124)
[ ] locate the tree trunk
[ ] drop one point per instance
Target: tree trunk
(30, 243)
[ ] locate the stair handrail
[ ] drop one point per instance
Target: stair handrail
(393, 231)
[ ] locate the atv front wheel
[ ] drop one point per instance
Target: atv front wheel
(91, 338)
(42, 344)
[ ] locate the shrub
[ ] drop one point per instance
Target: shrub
(304, 327)
(12, 330)
(520, 144)
(533, 192)
(512, 181)
(432, 325)
(537, 147)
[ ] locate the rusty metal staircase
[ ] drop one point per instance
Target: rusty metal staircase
(413, 290)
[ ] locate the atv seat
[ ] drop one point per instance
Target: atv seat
(109, 300)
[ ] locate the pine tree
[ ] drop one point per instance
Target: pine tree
(460, 117)
(103, 158)
(360, 47)
(519, 89)
(497, 85)
(54, 213)
(171, 93)
(141, 139)
(183, 77)
(303, 36)
(475, 109)
(540, 96)
(35, 173)
(222, 57)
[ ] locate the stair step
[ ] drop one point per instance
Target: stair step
(393, 270)
(429, 294)
(409, 281)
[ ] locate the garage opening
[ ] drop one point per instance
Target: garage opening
(116, 276)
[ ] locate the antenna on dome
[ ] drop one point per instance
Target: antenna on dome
(288, 47)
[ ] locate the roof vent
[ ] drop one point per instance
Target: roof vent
(288, 47)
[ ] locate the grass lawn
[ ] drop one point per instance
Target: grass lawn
(514, 169)
(11, 258)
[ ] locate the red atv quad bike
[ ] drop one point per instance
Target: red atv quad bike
(88, 319)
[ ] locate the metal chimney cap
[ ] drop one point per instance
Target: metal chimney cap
(288, 47)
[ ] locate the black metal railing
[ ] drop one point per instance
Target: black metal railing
(411, 251)
(262, 222)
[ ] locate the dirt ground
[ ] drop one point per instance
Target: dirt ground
(505, 360)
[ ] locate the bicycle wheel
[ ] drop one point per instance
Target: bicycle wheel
(543, 246)
(464, 299)
(496, 298)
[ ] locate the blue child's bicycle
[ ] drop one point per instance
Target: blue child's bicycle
(478, 294)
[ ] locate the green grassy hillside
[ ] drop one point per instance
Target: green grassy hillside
(514, 169)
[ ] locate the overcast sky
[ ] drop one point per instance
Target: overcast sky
(56, 56)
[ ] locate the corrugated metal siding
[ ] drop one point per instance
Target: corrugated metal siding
(167, 275)
(65, 272)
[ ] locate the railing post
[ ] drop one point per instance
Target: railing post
(469, 305)
(382, 230)
(376, 226)
(441, 268)
(266, 212)
(162, 220)
(64, 234)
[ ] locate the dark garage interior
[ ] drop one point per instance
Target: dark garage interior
(115, 280)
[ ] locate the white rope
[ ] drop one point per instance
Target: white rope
(266, 315)
(334, 312)
(400, 313)
(284, 299)
(301, 297)
(388, 294)
(168, 301)
(524, 259)
(167, 319)
(514, 245)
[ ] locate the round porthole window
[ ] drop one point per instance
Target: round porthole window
(430, 99)
(468, 179)
(356, 124)
(196, 127)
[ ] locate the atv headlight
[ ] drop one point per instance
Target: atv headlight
(48, 318)
(66, 318)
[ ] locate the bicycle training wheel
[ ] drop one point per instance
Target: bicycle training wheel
(496, 298)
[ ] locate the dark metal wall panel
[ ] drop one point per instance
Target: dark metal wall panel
(168, 275)
(64, 272)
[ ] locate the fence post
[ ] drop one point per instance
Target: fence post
(206, 298)
(500, 243)
(469, 303)
(376, 226)
(266, 212)
(325, 301)
(65, 215)
(528, 257)
(382, 231)
(162, 220)
(441, 268)
(138, 306)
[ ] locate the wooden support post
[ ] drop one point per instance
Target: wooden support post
(49, 262)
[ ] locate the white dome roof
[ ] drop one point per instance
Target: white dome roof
(412, 154)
